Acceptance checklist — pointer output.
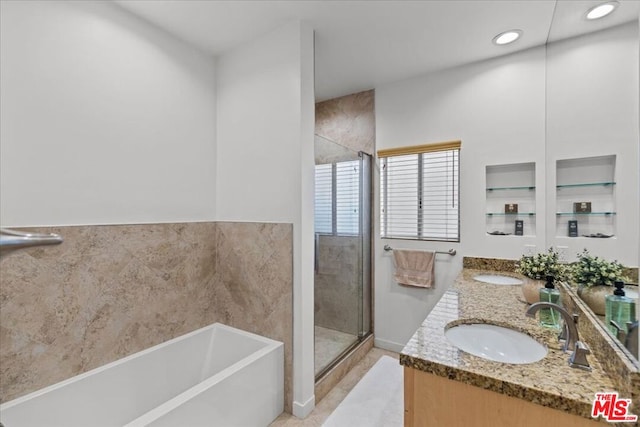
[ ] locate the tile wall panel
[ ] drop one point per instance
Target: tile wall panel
(110, 291)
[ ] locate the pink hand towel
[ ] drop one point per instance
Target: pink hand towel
(414, 268)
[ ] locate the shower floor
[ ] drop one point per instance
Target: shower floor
(329, 344)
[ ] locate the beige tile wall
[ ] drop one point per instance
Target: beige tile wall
(254, 288)
(349, 121)
(110, 291)
(337, 283)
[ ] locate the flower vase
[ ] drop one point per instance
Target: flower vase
(531, 290)
(594, 297)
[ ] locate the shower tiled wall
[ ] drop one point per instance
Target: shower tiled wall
(337, 283)
(110, 291)
(349, 121)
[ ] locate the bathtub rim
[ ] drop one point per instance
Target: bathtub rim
(270, 345)
(203, 386)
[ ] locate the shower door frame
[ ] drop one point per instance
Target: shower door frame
(365, 261)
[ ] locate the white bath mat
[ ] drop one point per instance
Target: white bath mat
(376, 401)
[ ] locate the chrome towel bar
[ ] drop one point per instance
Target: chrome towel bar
(451, 252)
(11, 240)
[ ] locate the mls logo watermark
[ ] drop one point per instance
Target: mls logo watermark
(612, 408)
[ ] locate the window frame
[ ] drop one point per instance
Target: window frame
(419, 151)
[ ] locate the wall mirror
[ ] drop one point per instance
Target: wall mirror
(592, 113)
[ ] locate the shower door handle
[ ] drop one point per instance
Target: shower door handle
(11, 240)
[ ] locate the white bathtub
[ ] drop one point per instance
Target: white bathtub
(215, 376)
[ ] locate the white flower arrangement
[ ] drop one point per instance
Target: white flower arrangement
(591, 270)
(541, 265)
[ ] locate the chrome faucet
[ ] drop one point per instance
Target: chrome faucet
(12, 240)
(570, 332)
(578, 358)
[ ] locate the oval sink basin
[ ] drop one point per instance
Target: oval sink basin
(496, 279)
(496, 343)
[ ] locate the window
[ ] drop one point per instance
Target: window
(324, 199)
(419, 192)
(337, 201)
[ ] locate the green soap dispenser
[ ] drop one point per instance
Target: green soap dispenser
(550, 318)
(619, 308)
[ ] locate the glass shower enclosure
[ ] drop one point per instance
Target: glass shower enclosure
(342, 280)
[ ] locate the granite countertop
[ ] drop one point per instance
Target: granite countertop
(549, 382)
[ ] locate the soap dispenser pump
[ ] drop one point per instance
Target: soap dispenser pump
(550, 318)
(620, 309)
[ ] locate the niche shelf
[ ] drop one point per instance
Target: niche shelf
(589, 180)
(510, 184)
(586, 184)
(510, 188)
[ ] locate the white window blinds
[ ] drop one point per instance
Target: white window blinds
(347, 200)
(324, 199)
(337, 199)
(419, 192)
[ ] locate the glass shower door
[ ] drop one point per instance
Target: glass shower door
(342, 251)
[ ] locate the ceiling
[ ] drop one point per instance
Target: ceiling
(362, 44)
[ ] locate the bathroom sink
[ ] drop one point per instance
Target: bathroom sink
(496, 279)
(496, 343)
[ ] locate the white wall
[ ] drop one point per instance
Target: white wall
(107, 119)
(496, 108)
(592, 110)
(258, 88)
(104, 119)
(266, 168)
(499, 110)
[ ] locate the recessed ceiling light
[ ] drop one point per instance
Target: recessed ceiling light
(507, 37)
(601, 10)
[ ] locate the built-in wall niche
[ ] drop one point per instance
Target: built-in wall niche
(585, 197)
(511, 198)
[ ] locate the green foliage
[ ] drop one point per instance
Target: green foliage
(543, 264)
(591, 270)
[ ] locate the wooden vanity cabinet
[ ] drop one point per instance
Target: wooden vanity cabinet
(431, 400)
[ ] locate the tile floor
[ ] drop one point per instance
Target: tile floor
(376, 401)
(326, 406)
(329, 344)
